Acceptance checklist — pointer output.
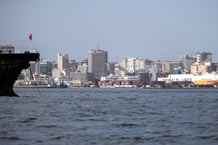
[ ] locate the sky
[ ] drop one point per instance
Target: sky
(150, 29)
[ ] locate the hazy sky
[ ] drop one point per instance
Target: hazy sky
(153, 29)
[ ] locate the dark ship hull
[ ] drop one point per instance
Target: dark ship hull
(11, 64)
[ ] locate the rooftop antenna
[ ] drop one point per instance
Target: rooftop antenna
(98, 47)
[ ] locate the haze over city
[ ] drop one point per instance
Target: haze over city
(153, 29)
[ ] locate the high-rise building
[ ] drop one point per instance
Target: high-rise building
(167, 66)
(204, 56)
(73, 65)
(63, 61)
(96, 62)
(134, 65)
(203, 63)
(187, 61)
(45, 67)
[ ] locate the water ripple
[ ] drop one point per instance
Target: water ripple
(110, 116)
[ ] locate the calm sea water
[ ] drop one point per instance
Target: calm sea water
(110, 116)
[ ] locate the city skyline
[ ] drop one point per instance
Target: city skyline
(125, 28)
(193, 55)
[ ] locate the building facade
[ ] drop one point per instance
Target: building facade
(187, 61)
(204, 56)
(46, 67)
(167, 66)
(97, 60)
(63, 61)
(133, 65)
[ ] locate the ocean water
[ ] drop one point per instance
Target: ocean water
(110, 116)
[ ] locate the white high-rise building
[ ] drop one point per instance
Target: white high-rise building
(133, 65)
(63, 61)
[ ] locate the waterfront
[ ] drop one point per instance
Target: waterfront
(110, 116)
